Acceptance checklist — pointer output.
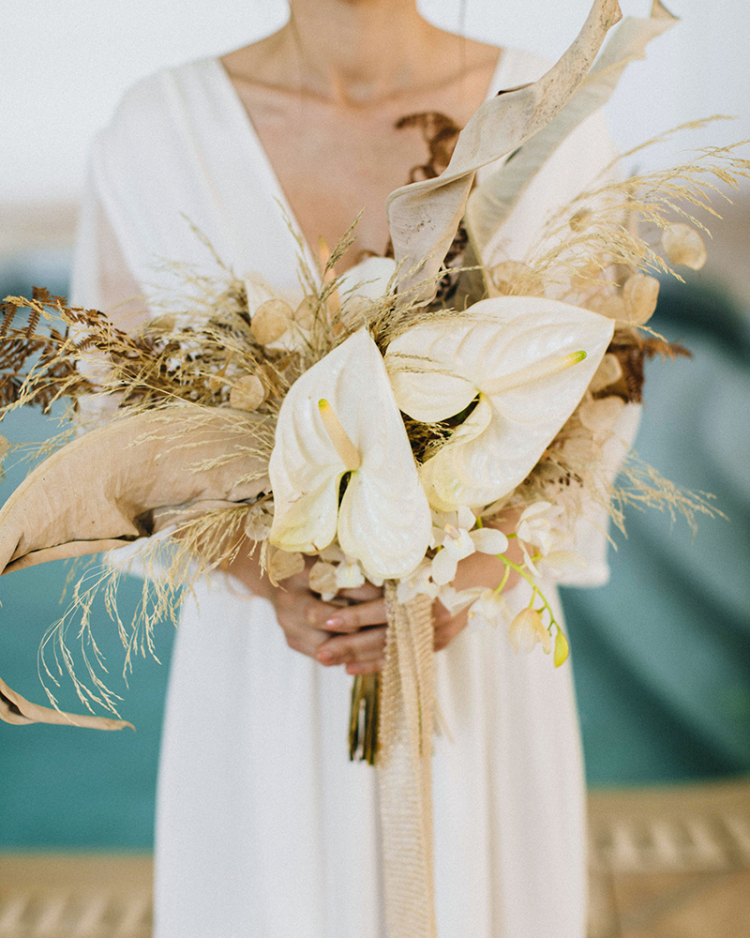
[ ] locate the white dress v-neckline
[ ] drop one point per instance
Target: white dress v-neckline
(247, 131)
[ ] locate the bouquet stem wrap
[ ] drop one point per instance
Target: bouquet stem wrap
(407, 706)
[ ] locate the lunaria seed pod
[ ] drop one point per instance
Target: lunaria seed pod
(284, 565)
(601, 416)
(304, 315)
(270, 321)
(684, 246)
(322, 578)
(512, 278)
(216, 383)
(580, 219)
(610, 305)
(258, 523)
(640, 293)
(581, 452)
(161, 325)
(608, 373)
(247, 394)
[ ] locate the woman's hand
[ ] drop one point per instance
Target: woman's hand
(354, 635)
(332, 633)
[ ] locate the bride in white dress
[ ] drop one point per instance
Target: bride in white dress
(265, 829)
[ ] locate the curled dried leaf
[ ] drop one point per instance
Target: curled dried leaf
(640, 294)
(270, 321)
(248, 393)
(283, 565)
(684, 246)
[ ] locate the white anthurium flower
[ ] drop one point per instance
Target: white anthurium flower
(459, 541)
(340, 418)
(525, 362)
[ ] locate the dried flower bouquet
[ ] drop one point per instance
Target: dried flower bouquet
(383, 420)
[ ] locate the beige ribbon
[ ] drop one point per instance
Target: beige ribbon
(407, 704)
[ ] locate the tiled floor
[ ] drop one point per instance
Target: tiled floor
(671, 863)
(665, 863)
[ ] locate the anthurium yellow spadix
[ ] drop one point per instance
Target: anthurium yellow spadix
(340, 418)
(524, 362)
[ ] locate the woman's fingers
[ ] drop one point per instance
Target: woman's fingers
(352, 618)
(367, 646)
(301, 615)
(366, 667)
(363, 593)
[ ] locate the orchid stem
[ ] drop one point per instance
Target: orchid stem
(520, 569)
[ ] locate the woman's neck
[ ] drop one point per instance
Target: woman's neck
(357, 52)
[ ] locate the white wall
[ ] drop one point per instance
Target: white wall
(63, 65)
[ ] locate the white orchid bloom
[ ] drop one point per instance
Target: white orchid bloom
(488, 610)
(349, 575)
(536, 526)
(456, 601)
(560, 563)
(340, 418)
(527, 362)
(457, 540)
(526, 630)
(416, 584)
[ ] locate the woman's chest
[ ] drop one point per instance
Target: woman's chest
(335, 164)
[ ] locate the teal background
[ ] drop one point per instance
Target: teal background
(661, 655)
(61, 786)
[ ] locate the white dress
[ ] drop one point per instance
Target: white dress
(265, 829)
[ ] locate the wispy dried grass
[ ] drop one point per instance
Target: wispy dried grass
(194, 351)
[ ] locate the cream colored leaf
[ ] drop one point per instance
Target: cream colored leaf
(383, 520)
(16, 709)
(423, 217)
(116, 484)
(493, 201)
(509, 352)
